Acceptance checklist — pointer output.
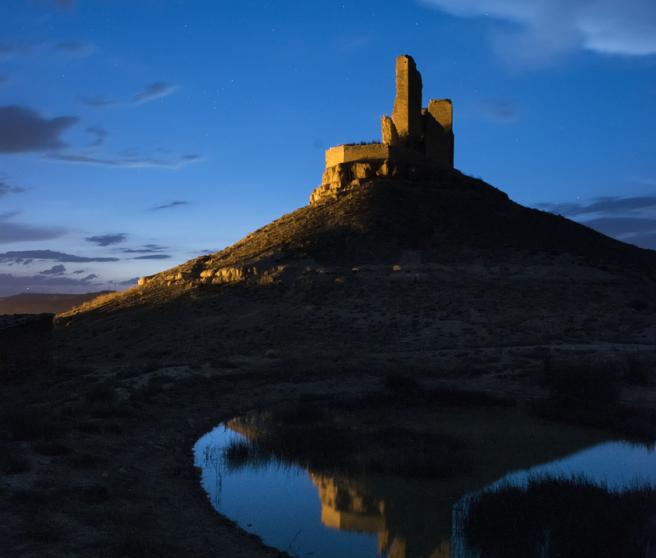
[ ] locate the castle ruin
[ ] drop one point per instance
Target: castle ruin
(415, 140)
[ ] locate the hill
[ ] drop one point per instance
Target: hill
(39, 303)
(392, 265)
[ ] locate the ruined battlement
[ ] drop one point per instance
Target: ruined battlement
(414, 139)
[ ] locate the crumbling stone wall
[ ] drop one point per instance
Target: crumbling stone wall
(428, 131)
(412, 138)
(25, 344)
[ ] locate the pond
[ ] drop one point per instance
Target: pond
(311, 511)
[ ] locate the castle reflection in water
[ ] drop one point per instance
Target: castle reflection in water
(344, 506)
(369, 515)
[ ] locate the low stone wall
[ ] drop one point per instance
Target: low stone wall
(25, 344)
(372, 152)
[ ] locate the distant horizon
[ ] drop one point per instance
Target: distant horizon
(144, 142)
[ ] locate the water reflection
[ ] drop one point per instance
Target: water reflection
(319, 513)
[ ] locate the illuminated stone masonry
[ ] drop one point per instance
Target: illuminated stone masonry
(415, 141)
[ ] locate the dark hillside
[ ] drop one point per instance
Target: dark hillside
(391, 265)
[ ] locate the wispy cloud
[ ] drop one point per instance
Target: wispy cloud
(152, 257)
(11, 50)
(353, 42)
(99, 134)
(22, 256)
(98, 101)
(145, 249)
(499, 110)
(153, 91)
(169, 205)
(23, 130)
(12, 231)
(632, 219)
(59, 269)
(605, 205)
(107, 239)
(64, 4)
(133, 162)
(7, 188)
(150, 92)
(544, 28)
(77, 49)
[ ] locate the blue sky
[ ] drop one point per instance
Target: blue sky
(137, 134)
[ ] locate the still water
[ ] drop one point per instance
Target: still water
(312, 514)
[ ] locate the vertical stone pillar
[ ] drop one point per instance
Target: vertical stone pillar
(407, 103)
(438, 131)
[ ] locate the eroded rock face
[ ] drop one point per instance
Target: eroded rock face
(342, 178)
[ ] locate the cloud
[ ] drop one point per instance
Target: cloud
(500, 111)
(98, 101)
(128, 282)
(23, 130)
(6, 188)
(152, 257)
(631, 219)
(107, 239)
(58, 269)
(621, 226)
(176, 203)
(132, 161)
(11, 231)
(21, 256)
(149, 93)
(64, 4)
(78, 271)
(543, 28)
(90, 277)
(11, 50)
(145, 249)
(351, 43)
(99, 135)
(605, 205)
(153, 91)
(77, 49)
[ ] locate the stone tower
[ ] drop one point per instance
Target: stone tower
(416, 142)
(406, 114)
